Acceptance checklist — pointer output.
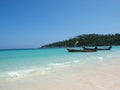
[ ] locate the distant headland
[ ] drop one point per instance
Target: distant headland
(88, 40)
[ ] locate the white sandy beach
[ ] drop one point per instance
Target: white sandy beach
(93, 76)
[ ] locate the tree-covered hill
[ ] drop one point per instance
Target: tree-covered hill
(88, 40)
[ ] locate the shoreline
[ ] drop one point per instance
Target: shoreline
(90, 76)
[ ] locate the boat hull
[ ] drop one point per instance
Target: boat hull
(109, 48)
(75, 50)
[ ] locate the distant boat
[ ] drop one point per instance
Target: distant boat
(76, 50)
(96, 48)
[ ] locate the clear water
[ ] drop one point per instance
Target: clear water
(20, 63)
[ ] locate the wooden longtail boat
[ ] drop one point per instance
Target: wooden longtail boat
(76, 50)
(96, 48)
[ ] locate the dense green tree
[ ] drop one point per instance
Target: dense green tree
(88, 40)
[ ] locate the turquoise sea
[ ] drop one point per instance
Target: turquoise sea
(21, 63)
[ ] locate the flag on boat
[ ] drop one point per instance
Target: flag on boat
(76, 42)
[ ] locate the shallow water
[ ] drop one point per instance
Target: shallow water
(22, 63)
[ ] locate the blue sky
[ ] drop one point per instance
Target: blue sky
(32, 23)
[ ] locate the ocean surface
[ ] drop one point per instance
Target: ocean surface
(23, 63)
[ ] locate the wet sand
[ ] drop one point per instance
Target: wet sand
(91, 76)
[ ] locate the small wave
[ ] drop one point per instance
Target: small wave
(18, 74)
(59, 65)
(56, 64)
(100, 59)
(76, 61)
(14, 74)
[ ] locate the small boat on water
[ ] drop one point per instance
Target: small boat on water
(86, 49)
(76, 50)
(96, 48)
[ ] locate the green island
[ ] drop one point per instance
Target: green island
(88, 40)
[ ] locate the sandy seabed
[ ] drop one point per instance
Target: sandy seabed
(91, 76)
